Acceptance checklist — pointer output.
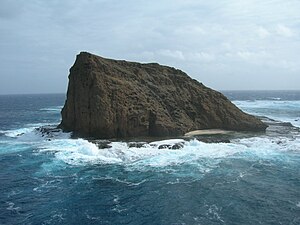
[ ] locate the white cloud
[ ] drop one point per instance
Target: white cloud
(201, 57)
(246, 57)
(263, 33)
(211, 38)
(283, 64)
(284, 31)
(176, 54)
(194, 30)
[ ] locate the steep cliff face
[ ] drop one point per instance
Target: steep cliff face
(112, 98)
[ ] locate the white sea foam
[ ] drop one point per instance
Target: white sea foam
(29, 128)
(30, 134)
(82, 152)
(275, 98)
(213, 213)
(202, 156)
(269, 147)
(52, 109)
(25, 138)
(79, 151)
(166, 142)
(11, 207)
(17, 132)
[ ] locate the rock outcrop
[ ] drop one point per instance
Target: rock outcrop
(114, 98)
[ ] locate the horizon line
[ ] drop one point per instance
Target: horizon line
(56, 93)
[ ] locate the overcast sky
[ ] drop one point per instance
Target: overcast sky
(227, 45)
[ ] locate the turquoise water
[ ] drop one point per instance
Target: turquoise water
(55, 179)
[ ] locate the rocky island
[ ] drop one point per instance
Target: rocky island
(109, 98)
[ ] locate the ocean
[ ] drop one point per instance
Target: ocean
(54, 178)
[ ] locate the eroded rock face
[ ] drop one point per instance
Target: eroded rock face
(112, 98)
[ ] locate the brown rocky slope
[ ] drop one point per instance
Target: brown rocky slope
(114, 98)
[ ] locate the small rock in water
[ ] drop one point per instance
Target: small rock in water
(136, 144)
(102, 144)
(48, 131)
(177, 146)
(171, 146)
(213, 139)
(165, 146)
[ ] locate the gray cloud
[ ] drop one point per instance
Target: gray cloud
(232, 44)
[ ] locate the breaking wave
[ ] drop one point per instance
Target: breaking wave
(202, 156)
(52, 109)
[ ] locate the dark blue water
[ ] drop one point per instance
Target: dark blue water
(59, 180)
